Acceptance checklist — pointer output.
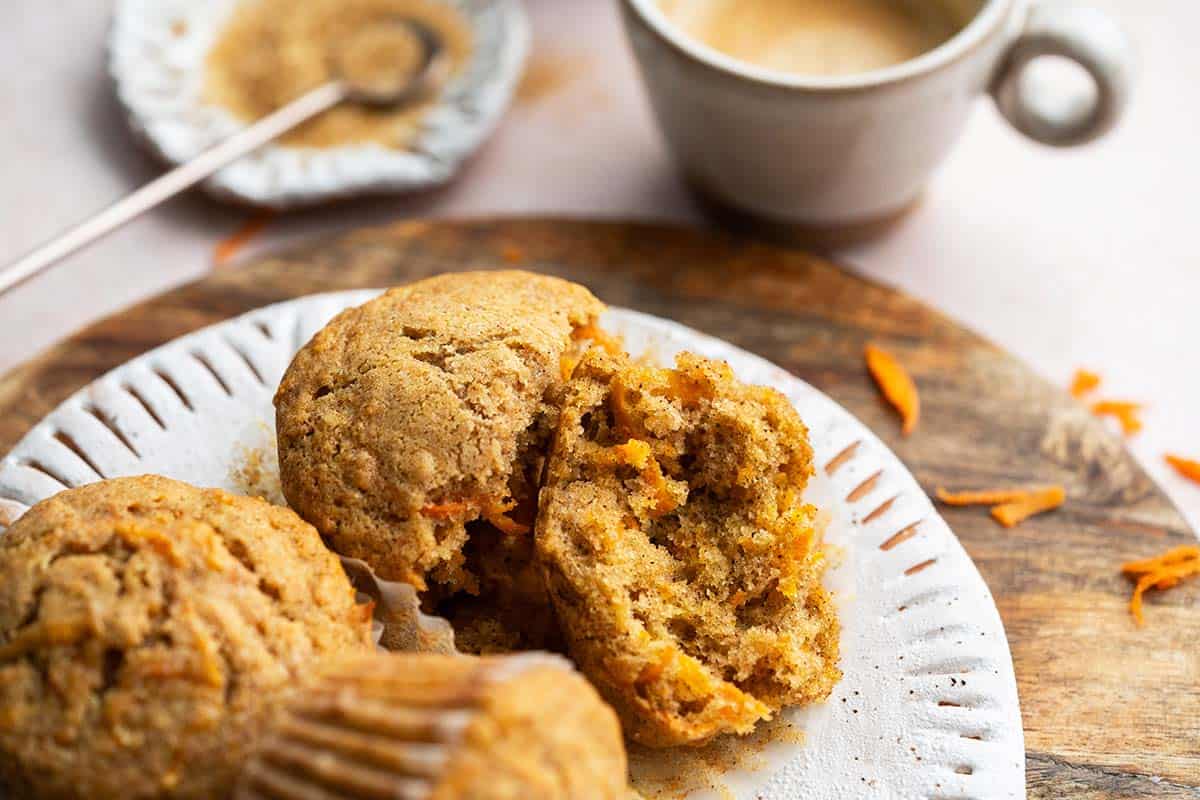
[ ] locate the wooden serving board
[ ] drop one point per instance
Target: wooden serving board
(1110, 710)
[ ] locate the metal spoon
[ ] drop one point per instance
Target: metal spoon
(430, 73)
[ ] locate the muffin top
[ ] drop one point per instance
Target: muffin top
(145, 628)
(426, 410)
(683, 563)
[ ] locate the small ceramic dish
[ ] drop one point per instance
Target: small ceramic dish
(927, 706)
(157, 53)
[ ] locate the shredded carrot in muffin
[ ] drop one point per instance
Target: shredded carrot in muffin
(1185, 466)
(637, 454)
(618, 403)
(566, 365)
(496, 514)
(1015, 512)
(500, 519)
(610, 343)
(1128, 414)
(1160, 572)
(1084, 382)
(591, 331)
(897, 386)
(981, 497)
(228, 248)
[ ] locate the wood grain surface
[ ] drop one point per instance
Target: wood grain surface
(1110, 710)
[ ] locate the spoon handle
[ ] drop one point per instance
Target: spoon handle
(172, 183)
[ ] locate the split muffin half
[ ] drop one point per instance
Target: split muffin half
(683, 563)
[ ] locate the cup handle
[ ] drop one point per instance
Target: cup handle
(1092, 40)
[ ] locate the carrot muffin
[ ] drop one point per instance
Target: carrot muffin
(683, 564)
(412, 431)
(524, 727)
(145, 628)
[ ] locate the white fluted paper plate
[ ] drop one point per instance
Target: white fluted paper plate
(928, 705)
(157, 52)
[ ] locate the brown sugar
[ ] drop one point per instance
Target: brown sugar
(272, 51)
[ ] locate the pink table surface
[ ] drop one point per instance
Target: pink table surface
(1066, 258)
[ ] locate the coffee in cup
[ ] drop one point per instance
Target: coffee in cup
(816, 37)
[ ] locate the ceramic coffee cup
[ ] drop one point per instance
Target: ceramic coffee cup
(847, 152)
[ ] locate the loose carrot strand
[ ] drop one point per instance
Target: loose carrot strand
(1037, 502)
(897, 386)
(982, 497)
(1084, 382)
(1164, 577)
(229, 247)
(1178, 555)
(1185, 466)
(1126, 413)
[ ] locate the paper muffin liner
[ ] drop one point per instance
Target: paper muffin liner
(418, 725)
(399, 623)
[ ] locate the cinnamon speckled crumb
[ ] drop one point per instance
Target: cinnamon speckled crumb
(682, 560)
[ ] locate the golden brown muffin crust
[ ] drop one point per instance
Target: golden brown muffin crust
(425, 411)
(145, 626)
(684, 566)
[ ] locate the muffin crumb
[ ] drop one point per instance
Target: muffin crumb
(681, 558)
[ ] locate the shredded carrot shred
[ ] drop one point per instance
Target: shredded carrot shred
(445, 510)
(634, 452)
(982, 497)
(1128, 414)
(897, 386)
(1185, 466)
(687, 389)
(498, 516)
(1160, 572)
(1178, 555)
(566, 365)
(637, 454)
(1039, 501)
(1084, 382)
(655, 669)
(610, 343)
(619, 404)
(506, 524)
(228, 248)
